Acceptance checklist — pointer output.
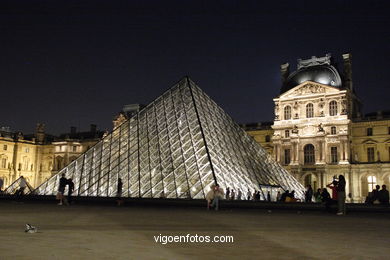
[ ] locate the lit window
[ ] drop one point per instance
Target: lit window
(308, 152)
(287, 113)
(309, 110)
(369, 131)
(371, 180)
(333, 155)
(287, 158)
(370, 154)
(333, 108)
(3, 163)
(287, 133)
(333, 130)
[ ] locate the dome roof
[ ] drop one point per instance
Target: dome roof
(323, 74)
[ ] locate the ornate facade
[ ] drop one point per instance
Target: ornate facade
(39, 156)
(318, 131)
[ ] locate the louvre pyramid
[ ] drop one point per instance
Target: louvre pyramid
(15, 186)
(176, 147)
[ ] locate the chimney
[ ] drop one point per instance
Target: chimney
(284, 71)
(347, 58)
(40, 133)
(92, 128)
(73, 129)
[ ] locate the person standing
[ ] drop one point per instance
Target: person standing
(119, 192)
(218, 195)
(227, 193)
(22, 185)
(61, 189)
(239, 194)
(278, 196)
(309, 193)
(269, 196)
(248, 195)
(70, 190)
(341, 195)
(233, 195)
(384, 196)
(210, 196)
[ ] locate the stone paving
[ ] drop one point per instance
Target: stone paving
(110, 232)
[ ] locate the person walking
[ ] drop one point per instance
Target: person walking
(341, 195)
(70, 189)
(61, 189)
(119, 192)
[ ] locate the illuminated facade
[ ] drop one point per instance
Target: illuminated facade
(176, 147)
(318, 131)
(39, 156)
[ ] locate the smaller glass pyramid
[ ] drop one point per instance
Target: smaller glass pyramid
(176, 147)
(15, 187)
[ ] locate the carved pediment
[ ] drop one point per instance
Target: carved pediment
(369, 141)
(309, 88)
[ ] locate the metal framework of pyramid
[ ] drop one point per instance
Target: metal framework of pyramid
(15, 186)
(176, 147)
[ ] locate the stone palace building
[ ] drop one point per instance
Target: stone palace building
(319, 131)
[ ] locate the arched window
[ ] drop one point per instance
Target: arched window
(333, 108)
(287, 113)
(308, 154)
(333, 130)
(371, 180)
(309, 110)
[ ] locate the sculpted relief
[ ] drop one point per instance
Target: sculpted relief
(309, 88)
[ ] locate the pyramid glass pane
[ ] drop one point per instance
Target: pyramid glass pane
(176, 147)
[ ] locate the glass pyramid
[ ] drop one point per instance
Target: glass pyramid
(15, 187)
(176, 147)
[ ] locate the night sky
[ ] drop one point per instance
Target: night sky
(73, 63)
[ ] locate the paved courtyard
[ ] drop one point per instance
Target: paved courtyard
(109, 232)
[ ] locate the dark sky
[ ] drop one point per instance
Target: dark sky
(72, 63)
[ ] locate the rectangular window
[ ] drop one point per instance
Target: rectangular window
(333, 155)
(287, 158)
(287, 134)
(27, 150)
(74, 148)
(3, 163)
(369, 131)
(5, 147)
(370, 154)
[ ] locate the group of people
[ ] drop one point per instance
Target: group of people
(322, 195)
(378, 196)
(61, 190)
